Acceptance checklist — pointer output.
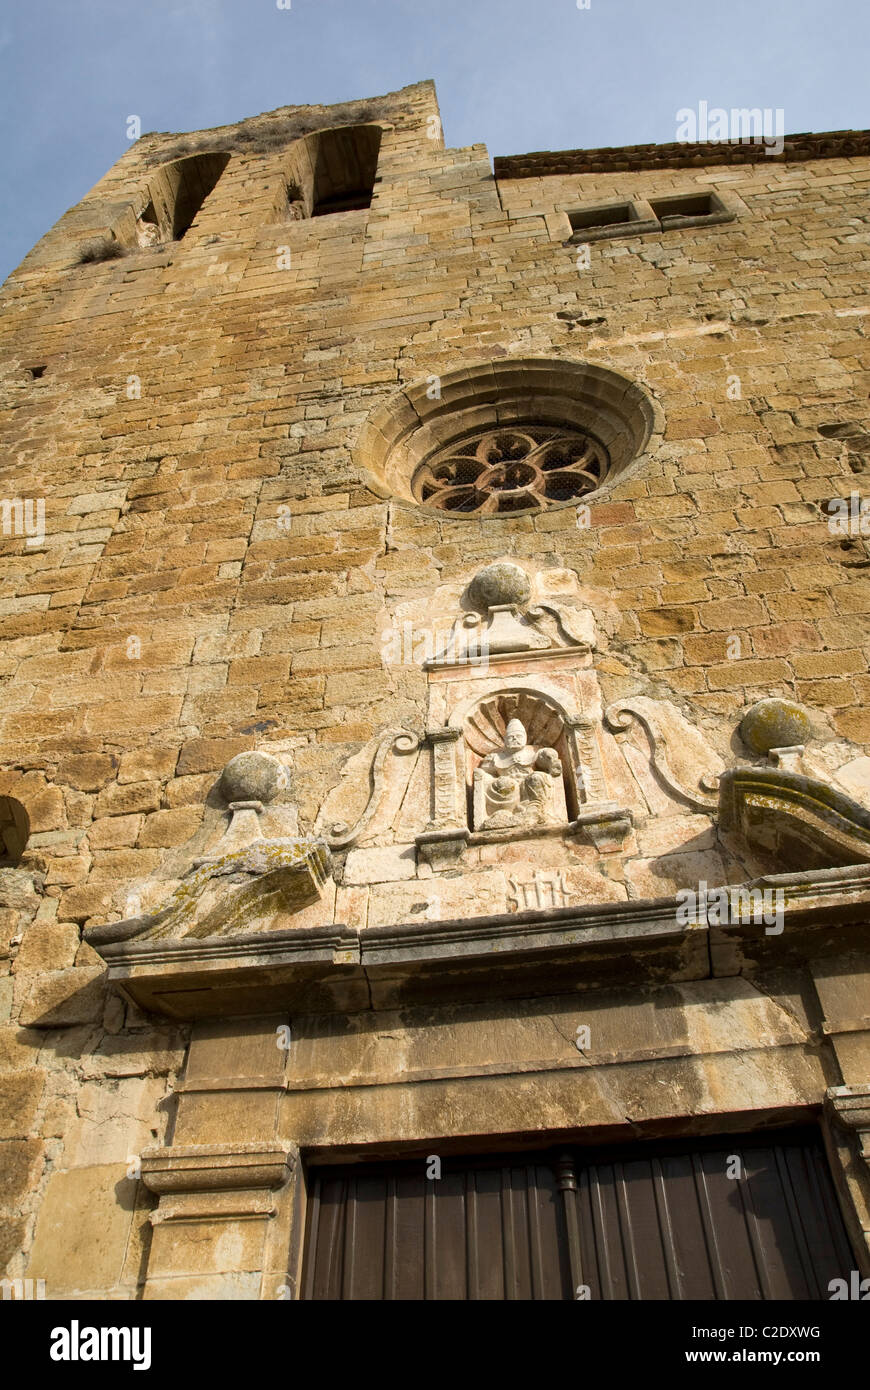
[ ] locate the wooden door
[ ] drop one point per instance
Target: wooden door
(753, 1217)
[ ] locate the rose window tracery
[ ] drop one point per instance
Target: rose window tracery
(517, 468)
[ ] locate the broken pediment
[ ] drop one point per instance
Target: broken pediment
(636, 778)
(231, 893)
(637, 816)
(500, 614)
(801, 821)
(504, 622)
(796, 820)
(545, 946)
(258, 868)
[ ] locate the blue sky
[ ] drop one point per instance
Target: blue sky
(518, 75)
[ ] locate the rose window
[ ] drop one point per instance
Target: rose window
(524, 468)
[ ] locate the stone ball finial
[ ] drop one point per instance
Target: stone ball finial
(497, 584)
(775, 723)
(253, 777)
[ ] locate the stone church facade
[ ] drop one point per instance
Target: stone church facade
(434, 773)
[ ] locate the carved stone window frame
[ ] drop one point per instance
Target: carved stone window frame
(428, 416)
(643, 216)
(593, 221)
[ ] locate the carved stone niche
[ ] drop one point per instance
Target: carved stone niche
(514, 766)
(519, 765)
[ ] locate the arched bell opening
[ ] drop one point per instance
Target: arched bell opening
(330, 171)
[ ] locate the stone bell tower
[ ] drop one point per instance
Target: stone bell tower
(434, 748)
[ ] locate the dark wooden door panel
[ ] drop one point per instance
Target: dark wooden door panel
(482, 1231)
(674, 1225)
(650, 1222)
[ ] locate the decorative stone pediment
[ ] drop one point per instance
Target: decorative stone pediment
(803, 822)
(504, 623)
(523, 782)
(231, 893)
(501, 615)
(525, 794)
(258, 868)
(545, 946)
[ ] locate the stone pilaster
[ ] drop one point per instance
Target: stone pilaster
(222, 1222)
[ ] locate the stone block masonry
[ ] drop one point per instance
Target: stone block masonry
(218, 556)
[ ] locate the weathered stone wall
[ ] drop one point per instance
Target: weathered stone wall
(216, 568)
(727, 538)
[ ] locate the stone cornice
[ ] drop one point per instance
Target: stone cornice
(334, 969)
(575, 657)
(850, 1107)
(216, 1182)
(830, 144)
(216, 1167)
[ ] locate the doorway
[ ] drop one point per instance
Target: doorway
(743, 1217)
